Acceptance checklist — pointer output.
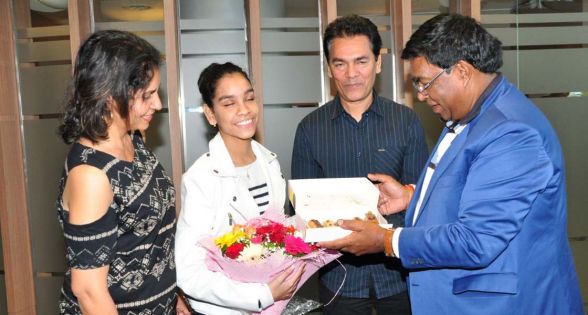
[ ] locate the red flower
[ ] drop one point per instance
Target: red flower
(272, 232)
(277, 233)
(263, 230)
(234, 250)
(272, 236)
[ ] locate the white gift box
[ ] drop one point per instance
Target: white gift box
(333, 199)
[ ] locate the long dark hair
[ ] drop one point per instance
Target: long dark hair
(110, 64)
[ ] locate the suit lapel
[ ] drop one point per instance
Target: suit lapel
(497, 88)
(408, 219)
(455, 147)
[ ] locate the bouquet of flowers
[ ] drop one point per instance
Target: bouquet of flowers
(262, 248)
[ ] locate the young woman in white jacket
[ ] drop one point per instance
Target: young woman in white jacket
(238, 179)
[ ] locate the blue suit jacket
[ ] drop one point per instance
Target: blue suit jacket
(491, 236)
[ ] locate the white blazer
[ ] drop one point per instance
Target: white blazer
(211, 197)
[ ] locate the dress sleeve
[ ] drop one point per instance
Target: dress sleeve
(91, 245)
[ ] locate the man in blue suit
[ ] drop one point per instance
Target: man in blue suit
(486, 230)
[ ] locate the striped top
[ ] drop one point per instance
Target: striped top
(388, 139)
(135, 237)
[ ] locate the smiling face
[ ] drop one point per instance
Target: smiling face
(353, 67)
(234, 109)
(144, 104)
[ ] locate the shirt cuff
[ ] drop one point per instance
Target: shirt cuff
(395, 240)
(265, 299)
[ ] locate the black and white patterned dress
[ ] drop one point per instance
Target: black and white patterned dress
(135, 237)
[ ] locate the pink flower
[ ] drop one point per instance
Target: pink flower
(296, 246)
(257, 239)
(267, 234)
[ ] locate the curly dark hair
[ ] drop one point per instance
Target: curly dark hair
(210, 76)
(110, 64)
(447, 38)
(352, 25)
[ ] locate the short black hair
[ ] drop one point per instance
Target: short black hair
(109, 63)
(352, 25)
(210, 76)
(448, 38)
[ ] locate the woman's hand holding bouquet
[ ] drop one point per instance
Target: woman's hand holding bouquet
(267, 249)
(285, 284)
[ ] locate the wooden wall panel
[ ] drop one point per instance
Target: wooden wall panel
(79, 24)
(20, 293)
(470, 8)
(253, 22)
(172, 61)
(327, 13)
(402, 18)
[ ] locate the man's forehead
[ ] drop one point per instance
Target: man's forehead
(357, 41)
(348, 52)
(351, 57)
(421, 67)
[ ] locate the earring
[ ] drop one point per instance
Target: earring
(214, 125)
(111, 115)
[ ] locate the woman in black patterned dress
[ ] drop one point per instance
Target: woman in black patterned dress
(116, 203)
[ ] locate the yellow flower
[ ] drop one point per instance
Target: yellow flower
(229, 238)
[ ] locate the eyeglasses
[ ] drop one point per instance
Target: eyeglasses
(421, 88)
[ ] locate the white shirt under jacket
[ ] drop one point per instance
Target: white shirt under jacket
(211, 194)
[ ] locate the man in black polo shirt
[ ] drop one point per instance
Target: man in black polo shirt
(358, 133)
